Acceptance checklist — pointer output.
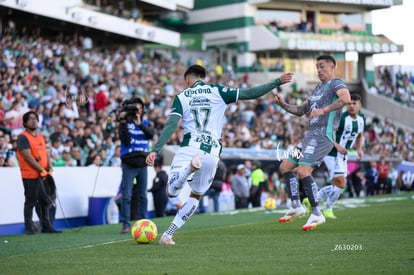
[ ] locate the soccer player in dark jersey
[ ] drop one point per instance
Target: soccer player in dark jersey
(324, 109)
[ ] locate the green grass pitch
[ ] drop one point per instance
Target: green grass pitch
(371, 236)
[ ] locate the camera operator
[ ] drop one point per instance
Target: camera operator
(135, 134)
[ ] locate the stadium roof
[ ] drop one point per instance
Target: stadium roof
(346, 6)
(71, 11)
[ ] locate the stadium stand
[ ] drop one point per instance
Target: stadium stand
(43, 74)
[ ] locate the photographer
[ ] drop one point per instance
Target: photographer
(135, 135)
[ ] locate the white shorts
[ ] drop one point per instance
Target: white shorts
(337, 166)
(200, 180)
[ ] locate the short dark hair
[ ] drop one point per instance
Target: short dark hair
(326, 57)
(195, 70)
(355, 97)
(158, 161)
(26, 117)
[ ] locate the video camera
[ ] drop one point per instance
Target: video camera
(128, 106)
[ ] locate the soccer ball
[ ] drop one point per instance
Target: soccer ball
(270, 204)
(144, 231)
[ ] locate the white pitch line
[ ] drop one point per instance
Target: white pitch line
(99, 244)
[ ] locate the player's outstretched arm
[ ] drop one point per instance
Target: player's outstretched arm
(298, 110)
(166, 133)
(263, 89)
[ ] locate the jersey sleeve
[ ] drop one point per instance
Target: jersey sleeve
(177, 108)
(338, 84)
(229, 95)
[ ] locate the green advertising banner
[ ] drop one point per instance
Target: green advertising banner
(337, 43)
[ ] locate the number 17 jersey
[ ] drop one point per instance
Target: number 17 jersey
(201, 108)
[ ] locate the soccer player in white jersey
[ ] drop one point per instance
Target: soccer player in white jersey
(201, 107)
(350, 132)
(324, 108)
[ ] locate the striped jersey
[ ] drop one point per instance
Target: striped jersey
(201, 108)
(348, 130)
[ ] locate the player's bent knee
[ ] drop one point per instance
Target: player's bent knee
(303, 173)
(196, 196)
(286, 166)
(339, 182)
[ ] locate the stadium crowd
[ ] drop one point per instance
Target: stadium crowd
(75, 89)
(399, 87)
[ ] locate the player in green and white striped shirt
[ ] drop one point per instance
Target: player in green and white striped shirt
(201, 109)
(350, 132)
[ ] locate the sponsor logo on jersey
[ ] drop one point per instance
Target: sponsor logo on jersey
(199, 101)
(199, 91)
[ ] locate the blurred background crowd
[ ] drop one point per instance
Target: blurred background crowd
(398, 86)
(75, 88)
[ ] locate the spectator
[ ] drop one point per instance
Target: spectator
(383, 185)
(4, 146)
(354, 182)
(56, 149)
(240, 188)
(159, 185)
(65, 160)
(101, 99)
(76, 155)
(13, 117)
(96, 162)
(258, 179)
(2, 116)
(116, 158)
(371, 176)
(11, 157)
(274, 188)
(91, 157)
(248, 171)
(392, 177)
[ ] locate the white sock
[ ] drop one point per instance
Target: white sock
(333, 196)
(182, 216)
(177, 180)
(323, 193)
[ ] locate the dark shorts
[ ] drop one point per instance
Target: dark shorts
(311, 150)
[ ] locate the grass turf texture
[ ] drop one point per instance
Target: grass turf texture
(375, 237)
